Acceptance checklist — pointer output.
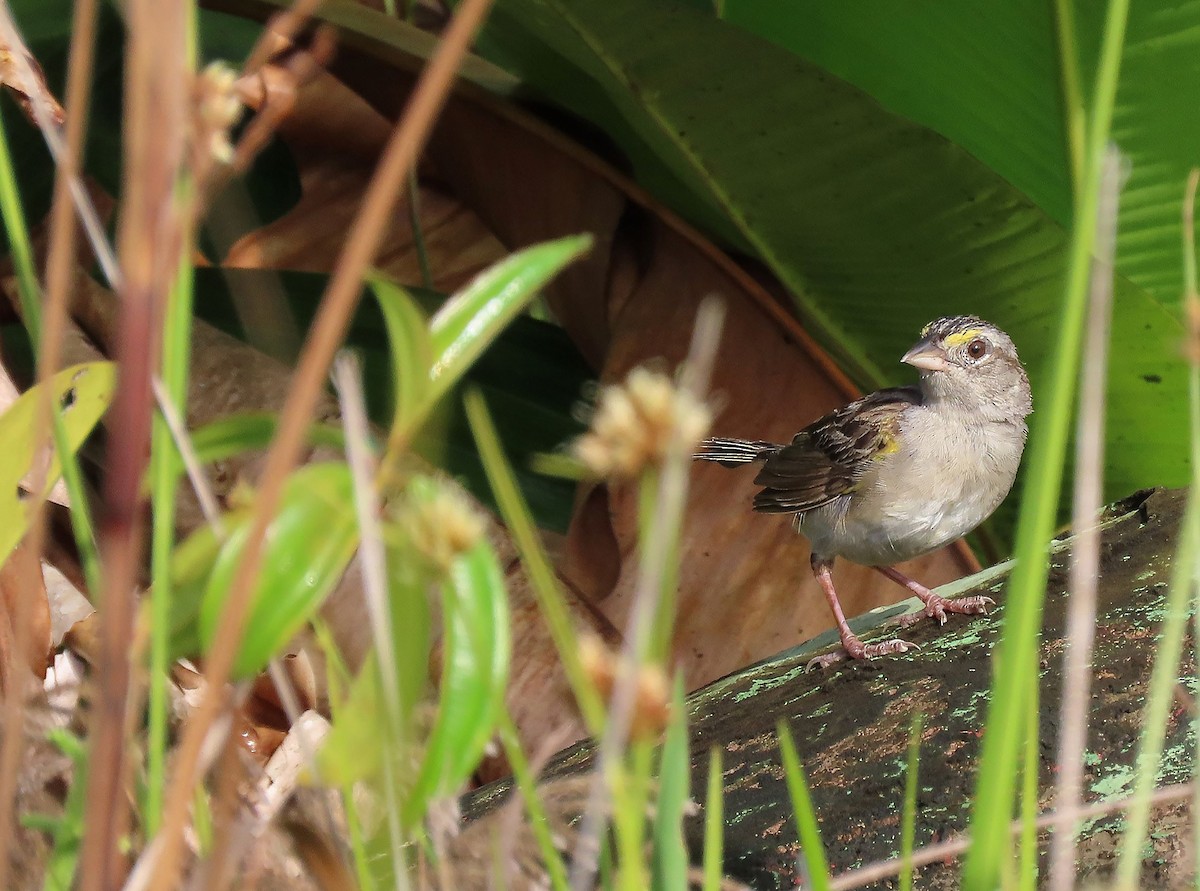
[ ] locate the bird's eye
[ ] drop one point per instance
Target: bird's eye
(977, 348)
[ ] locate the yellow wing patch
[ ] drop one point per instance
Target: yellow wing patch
(888, 445)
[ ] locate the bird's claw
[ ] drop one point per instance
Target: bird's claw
(853, 648)
(936, 607)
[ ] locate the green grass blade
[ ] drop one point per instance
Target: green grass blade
(1027, 871)
(476, 646)
(714, 823)
(246, 431)
(1017, 651)
(1192, 308)
(908, 819)
(550, 597)
(164, 477)
(526, 784)
(411, 353)
(670, 853)
(1161, 694)
(811, 848)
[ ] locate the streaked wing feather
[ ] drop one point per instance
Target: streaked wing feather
(827, 458)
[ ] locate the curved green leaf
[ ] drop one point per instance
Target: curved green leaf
(470, 320)
(81, 395)
(361, 736)
(308, 546)
(247, 431)
(474, 676)
(476, 651)
(411, 355)
(191, 564)
(412, 626)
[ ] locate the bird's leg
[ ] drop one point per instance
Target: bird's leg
(936, 607)
(852, 647)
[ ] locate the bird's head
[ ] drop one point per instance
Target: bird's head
(972, 363)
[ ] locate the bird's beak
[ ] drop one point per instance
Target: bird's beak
(927, 356)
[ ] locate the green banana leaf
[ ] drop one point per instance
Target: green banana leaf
(874, 223)
(987, 76)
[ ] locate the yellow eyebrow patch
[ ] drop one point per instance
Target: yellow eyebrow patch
(958, 338)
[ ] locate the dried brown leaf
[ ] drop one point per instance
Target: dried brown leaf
(25, 652)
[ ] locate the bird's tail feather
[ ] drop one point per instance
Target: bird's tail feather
(731, 452)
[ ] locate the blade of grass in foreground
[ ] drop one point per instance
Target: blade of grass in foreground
(1016, 654)
(550, 597)
(164, 475)
(1183, 577)
(1027, 871)
(714, 823)
(670, 853)
(908, 820)
(811, 848)
(526, 784)
(1192, 310)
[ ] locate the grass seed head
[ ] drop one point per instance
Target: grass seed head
(444, 526)
(637, 424)
(217, 110)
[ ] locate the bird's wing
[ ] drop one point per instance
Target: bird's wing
(828, 457)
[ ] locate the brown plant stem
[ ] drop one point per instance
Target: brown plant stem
(327, 333)
(155, 103)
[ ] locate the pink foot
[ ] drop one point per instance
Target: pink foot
(853, 648)
(936, 607)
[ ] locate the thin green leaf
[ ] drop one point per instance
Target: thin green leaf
(551, 600)
(908, 819)
(474, 676)
(526, 784)
(163, 475)
(248, 431)
(68, 829)
(353, 750)
(1160, 693)
(308, 546)
(992, 807)
(670, 853)
(81, 395)
(462, 329)
(714, 823)
(411, 355)
(412, 626)
(811, 848)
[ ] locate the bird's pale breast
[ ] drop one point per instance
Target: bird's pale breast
(946, 479)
